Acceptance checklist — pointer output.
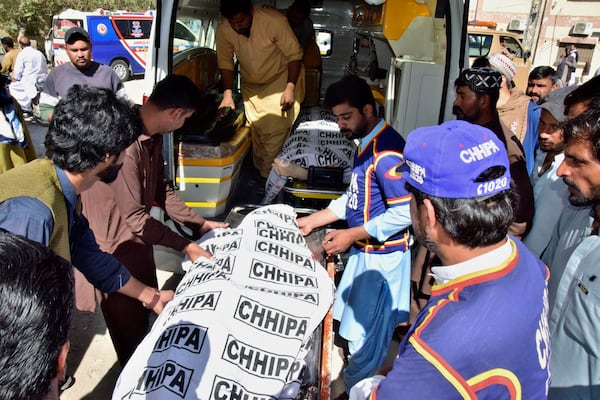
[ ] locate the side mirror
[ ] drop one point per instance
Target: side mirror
(526, 54)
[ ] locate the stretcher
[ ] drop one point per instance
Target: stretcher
(318, 375)
(210, 150)
(208, 174)
(240, 325)
(211, 146)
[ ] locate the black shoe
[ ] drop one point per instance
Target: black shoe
(27, 116)
(69, 381)
(39, 121)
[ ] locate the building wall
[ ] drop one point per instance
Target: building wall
(555, 30)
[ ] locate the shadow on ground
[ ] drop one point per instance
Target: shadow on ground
(92, 359)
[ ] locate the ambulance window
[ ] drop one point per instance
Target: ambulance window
(61, 26)
(134, 28)
(511, 45)
(182, 32)
(479, 44)
(324, 42)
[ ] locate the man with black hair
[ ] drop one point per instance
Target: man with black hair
(570, 254)
(81, 70)
(10, 56)
(572, 60)
(41, 199)
(272, 77)
(373, 296)
(30, 70)
(573, 257)
(585, 96)
(119, 212)
(36, 291)
(298, 15)
(484, 332)
(477, 92)
(565, 66)
(515, 109)
(549, 192)
(541, 82)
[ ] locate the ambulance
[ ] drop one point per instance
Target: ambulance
(119, 39)
(410, 52)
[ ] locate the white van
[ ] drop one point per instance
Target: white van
(410, 55)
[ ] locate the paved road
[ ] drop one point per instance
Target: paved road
(38, 133)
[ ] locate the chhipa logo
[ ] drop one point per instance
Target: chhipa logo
(417, 172)
(479, 152)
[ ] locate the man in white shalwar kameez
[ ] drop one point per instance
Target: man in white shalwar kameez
(30, 68)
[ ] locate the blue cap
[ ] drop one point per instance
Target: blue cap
(446, 160)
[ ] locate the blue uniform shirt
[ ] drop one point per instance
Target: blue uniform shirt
(376, 197)
(483, 334)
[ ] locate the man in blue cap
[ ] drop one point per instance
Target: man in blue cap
(484, 332)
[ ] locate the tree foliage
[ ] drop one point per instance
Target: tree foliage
(34, 17)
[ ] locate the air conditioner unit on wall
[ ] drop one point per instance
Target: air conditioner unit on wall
(516, 25)
(582, 28)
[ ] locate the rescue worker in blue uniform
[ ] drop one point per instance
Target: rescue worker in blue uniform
(373, 295)
(484, 333)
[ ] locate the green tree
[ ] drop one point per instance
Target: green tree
(34, 17)
(27, 17)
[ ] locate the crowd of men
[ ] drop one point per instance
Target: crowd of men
(500, 206)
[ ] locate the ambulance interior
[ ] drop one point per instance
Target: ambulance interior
(409, 51)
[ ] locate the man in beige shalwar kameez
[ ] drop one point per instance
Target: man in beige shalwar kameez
(272, 78)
